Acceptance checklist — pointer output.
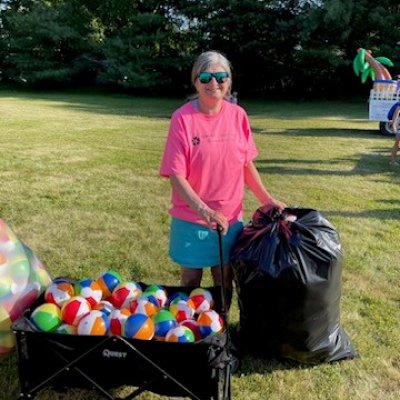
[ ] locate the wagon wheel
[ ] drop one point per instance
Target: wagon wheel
(385, 128)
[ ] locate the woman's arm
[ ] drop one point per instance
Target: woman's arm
(253, 181)
(186, 192)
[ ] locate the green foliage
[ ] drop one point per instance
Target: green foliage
(293, 47)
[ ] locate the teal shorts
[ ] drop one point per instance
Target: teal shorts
(196, 246)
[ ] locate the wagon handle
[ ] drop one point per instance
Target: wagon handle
(221, 264)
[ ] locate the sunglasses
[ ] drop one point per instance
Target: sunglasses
(220, 77)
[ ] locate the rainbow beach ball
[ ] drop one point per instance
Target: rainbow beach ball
(139, 326)
(209, 323)
(182, 310)
(74, 309)
(104, 306)
(159, 293)
(46, 317)
(108, 281)
(66, 329)
(90, 290)
(145, 304)
(59, 292)
(117, 320)
(201, 300)
(124, 293)
(181, 334)
(95, 323)
(163, 322)
(193, 326)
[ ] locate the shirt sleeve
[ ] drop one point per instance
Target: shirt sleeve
(252, 151)
(175, 157)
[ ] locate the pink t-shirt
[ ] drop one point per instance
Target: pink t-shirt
(210, 152)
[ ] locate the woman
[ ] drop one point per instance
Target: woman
(208, 158)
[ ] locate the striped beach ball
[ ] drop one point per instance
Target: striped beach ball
(210, 323)
(90, 290)
(159, 293)
(124, 293)
(181, 334)
(201, 300)
(104, 306)
(139, 326)
(46, 317)
(163, 322)
(117, 320)
(66, 329)
(74, 309)
(145, 304)
(94, 323)
(182, 310)
(193, 326)
(108, 281)
(59, 292)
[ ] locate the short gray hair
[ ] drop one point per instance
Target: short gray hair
(207, 59)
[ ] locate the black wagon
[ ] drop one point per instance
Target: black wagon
(200, 370)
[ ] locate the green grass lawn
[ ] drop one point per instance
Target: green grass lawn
(79, 184)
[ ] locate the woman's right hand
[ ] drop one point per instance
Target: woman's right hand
(214, 218)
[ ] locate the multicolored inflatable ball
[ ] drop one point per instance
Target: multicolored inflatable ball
(59, 292)
(209, 323)
(181, 334)
(94, 323)
(163, 322)
(182, 310)
(46, 317)
(108, 281)
(104, 306)
(159, 293)
(66, 329)
(145, 304)
(201, 300)
(117, 320)
(193, 326)
(74, 309)
(124, 293)
(90, 290)
(175, 297)
(139, 326)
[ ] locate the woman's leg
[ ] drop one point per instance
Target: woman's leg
(395, 149)
(191, 276)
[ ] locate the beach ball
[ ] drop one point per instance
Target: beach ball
(145, 304)
(124, 293)
(104, 306)
(209, 323)
(90, 290)
(182, 310)
(201, 300)
(94, 323)
(174, 297)
(59, 292)
(46, 317)
(193, 326)
(66, 329)
(163, 322)
(117, 320)
(7, 287)
(74, 309)
(159, 293)
(20, 269)
(181, 334)
(108, 281)
(139, 326)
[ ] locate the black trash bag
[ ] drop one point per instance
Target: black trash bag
(287, 270)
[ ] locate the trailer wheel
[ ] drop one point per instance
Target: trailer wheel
(385, 128)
